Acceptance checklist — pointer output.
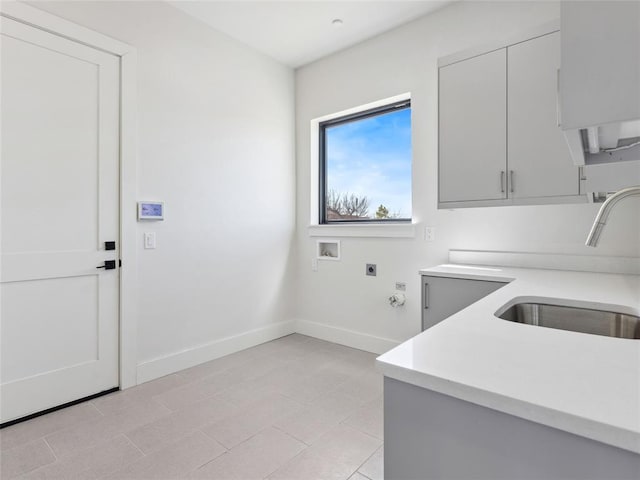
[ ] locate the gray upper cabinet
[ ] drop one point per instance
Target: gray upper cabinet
(473, 128)
(600, 78)
(500, 140)
(600, 83)
(539, 161)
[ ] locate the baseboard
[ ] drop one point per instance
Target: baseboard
(349, 338)
(159, 367)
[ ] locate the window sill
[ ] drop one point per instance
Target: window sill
(397, 230)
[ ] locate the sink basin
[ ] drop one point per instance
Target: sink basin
(575, 319)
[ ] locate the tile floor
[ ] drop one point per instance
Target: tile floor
(294, 408)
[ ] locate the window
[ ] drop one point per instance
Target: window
(365, 166)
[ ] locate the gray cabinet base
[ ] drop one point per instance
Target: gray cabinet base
(428, 435)
(444, 296)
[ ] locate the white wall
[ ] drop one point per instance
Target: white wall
(216, 144)
(339, 295)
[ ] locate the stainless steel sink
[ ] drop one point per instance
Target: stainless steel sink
(575, 319)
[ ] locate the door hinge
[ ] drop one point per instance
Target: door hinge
(120, 263)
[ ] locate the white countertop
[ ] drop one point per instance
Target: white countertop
(585, 384)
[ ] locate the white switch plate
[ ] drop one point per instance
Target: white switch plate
(429, 234)
(314, 264)
(150, 240)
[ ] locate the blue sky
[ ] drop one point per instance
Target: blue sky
(372, 157)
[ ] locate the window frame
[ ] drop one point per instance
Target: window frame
(322, 164)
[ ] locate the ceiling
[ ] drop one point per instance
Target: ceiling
(301, 31)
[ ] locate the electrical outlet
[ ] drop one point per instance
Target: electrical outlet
(371, 269)
(401, 286)
(429, 234)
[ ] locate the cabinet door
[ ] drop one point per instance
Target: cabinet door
(442, 296)
(600, 62)
(472, 125)
(539, 160)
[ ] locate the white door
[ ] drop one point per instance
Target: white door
(540, 163)
(473, 126)
(59, 205)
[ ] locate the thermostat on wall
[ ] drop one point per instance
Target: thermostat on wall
(150, 210)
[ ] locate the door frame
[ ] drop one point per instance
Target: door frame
(128, 323)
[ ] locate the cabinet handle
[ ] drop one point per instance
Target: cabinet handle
(581, 178)
(426, 296)
(511, 181)
(558, 116)
(502, 181)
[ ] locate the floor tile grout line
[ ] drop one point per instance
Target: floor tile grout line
(4, 451)
(188, 405)
(236, 414)
(363, 432)
(302, 404)
(214, 459)
(354, 472)
(159, 402)
(226, 452)
(224, 369)
(201, 429)
(225, 389)
(301, 452)
(235, 446)
(136, 394)
(194, 381)
(95, 407)
(39, 466)
(317, 362)
(360, 473)
(104, 414)
(50, 449)
(187, 432)
(30, 472)
(280, 466)
(307, 445)
(368, 458)
(133, 443)
(123, 466)
(271, 424)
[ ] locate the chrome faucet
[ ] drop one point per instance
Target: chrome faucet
(601, 219)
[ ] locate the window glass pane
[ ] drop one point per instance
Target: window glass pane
(368, 168)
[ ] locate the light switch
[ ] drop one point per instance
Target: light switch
(149, 240)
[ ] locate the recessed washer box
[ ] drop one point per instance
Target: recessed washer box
(328, 250)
